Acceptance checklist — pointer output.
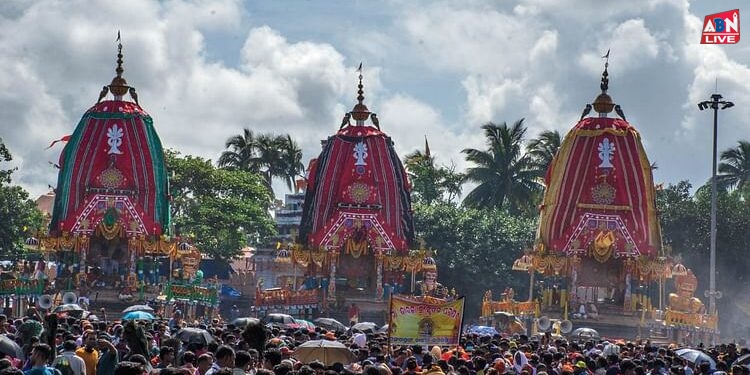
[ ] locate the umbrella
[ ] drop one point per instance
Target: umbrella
(10, 347)
(326, 351)
(742, 360)
(196, 335)
(228, 291)
(243, 322)
(330, 324)
(482, 331)
(365, 326)
(695, 356)
(138, 315)
(144, 308)
(585, 333)
(306, 324)
(68, 308)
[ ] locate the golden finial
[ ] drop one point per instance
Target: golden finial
(119, 86)
(360, 113)
(603, 103)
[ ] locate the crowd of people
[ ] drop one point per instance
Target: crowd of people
(54, 345)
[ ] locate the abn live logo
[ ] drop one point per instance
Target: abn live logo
(721, 28)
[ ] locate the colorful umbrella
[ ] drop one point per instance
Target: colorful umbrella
(138, 315)
(482, 331)
(144, 308)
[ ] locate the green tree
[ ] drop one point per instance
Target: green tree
(431, 184)
(292, 160)
(273, 156)
(543, 149)
(475, 248)
(240, 153)
(734, 169)
(505, 176)
(20, 217)
(685, 222)
(221, 210)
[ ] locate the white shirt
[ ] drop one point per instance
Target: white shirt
(76, 363)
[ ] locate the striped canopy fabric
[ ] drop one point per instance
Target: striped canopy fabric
(600, 197)
(112, 176)
(358, 195)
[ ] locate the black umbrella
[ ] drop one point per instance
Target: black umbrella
(68, 308)
(743, 360)
(695, 356)
(196, 335)
(243, 322)
(585, 333)
(10, 347)
(330, 324)
(365, 327)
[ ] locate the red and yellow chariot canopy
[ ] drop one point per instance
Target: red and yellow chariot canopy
(600, 198)
(358, 195)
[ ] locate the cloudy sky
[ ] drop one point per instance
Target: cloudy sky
(206, 69)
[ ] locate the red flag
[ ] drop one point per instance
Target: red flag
(63, 139)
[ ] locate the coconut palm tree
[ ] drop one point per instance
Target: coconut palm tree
(240, 152)
(734, 169)
(272, 156)
(505, 176)
(543, 149)
(292, 156)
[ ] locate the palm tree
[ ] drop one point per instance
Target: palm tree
(506, 177)
(272, 156)
(734, 169)
(543, 149)
(240, 152)
(292, 156)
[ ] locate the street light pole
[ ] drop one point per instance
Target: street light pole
(715, 104)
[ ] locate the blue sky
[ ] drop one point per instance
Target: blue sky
(205, 69)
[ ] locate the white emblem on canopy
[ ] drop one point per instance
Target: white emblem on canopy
(606, 153)
(114, 139)
(360, 153)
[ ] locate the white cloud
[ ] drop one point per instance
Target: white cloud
(53, 75)
(631, 46)
(469, 63)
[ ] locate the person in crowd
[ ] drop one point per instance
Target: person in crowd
(109, 357)
(69, 359)
(41, 355)
(88, 352)
(353, 314)
(225, 356)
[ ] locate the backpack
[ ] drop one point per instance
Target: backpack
(63, 365)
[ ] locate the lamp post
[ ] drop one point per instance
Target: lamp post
(715, 104)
